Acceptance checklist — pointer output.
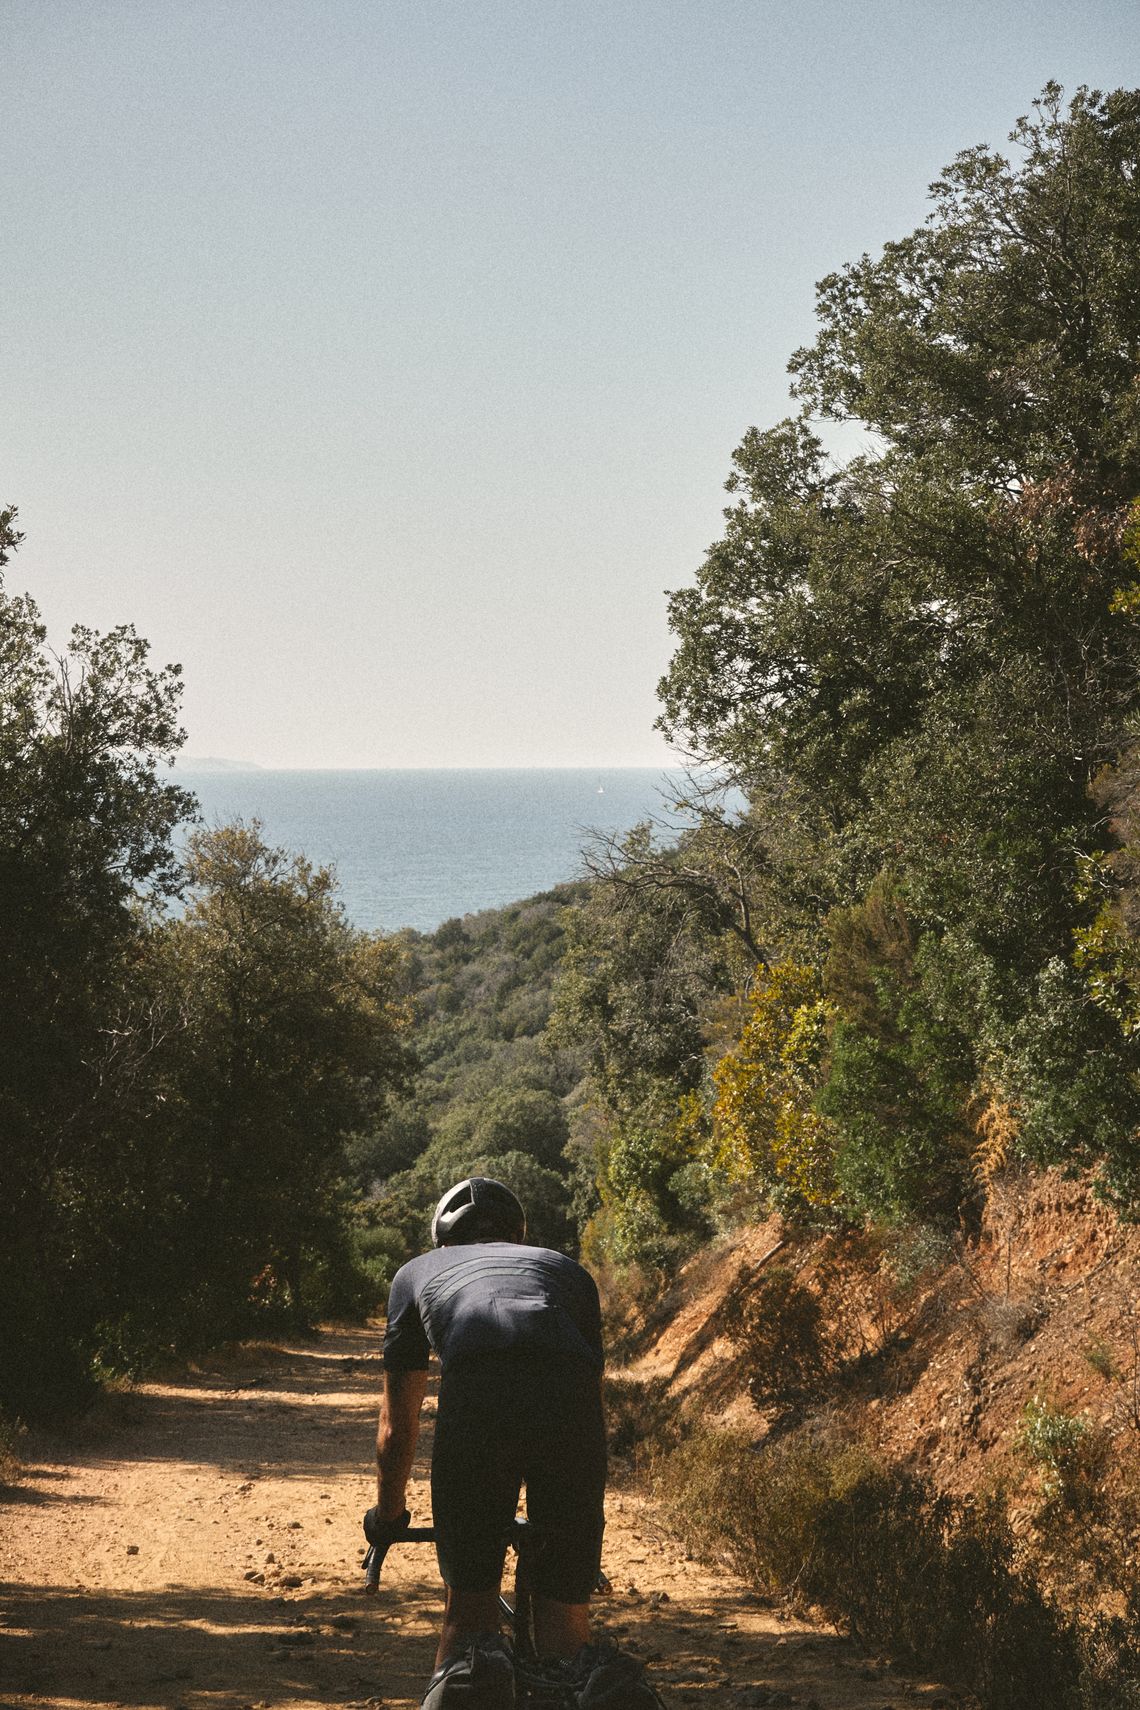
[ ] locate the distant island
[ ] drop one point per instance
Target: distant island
(212, 763)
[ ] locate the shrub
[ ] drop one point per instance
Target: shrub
(381, 1250)
(1070, 1070)
(898, 1096)
(695, 1187)
(1061, 1447)
(913, 1253)
(1110, 1676)
(762, 1506)
(900, 1065)
(764, 1116)
(1101, 1359)
(907, 1569)
(1083, 1538)
(651, 1182)
(628, 1293)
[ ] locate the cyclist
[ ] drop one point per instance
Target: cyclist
(518, 1333)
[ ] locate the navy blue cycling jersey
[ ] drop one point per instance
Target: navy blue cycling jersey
(491, 1297)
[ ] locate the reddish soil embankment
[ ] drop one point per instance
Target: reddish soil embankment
(1044, 1301)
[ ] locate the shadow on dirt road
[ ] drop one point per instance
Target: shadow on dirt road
(195, 1545)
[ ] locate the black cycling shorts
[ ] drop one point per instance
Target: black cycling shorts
(505, 1420)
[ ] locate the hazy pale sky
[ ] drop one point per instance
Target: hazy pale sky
(382, 362)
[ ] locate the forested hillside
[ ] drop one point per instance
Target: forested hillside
(494, 1094)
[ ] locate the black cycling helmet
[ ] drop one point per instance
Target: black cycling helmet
(477, 1209)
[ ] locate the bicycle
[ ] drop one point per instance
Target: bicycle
(523, 1539)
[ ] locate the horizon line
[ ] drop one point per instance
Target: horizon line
(191, 763)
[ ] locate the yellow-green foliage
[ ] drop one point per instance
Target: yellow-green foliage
(691, 1129)
(1126, 600)
(764, 1118)
(996, 1123)
(1106, 953)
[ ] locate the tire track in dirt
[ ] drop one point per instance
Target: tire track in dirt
(195, 1545)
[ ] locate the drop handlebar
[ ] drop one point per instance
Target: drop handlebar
(374, 1560)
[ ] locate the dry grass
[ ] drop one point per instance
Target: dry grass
(777, 1326)
(642, 1420)
(912, 1572)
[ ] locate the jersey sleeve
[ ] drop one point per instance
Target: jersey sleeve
(406, 1346)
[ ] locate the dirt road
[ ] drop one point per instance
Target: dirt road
(196, 1546)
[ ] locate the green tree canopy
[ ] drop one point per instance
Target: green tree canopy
(292, 1041)
(936, 642)
(933, 630)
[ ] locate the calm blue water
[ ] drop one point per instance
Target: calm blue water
(415, 848)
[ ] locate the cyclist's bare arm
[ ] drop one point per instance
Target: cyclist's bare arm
(396, 1438)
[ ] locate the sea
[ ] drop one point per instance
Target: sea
(415, 848)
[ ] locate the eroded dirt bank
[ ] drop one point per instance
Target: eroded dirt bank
(1041, 1301)
(197, 1544)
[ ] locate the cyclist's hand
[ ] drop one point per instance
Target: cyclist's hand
(385, 1532)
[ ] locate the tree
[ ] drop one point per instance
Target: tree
(293, 1040)
(638, 961)
(765, 1119)
(857, 624)
(647, 951)
(936, 643)
(85, 838)
(507, 1119)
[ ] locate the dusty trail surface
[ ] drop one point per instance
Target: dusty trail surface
(196, 1546)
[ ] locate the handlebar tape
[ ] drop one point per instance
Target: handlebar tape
(374, 1559)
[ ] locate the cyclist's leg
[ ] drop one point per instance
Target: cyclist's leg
(474, 1491)
(560, 1629)
(565, 1492)
(467, 1615)
(565, 1477)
